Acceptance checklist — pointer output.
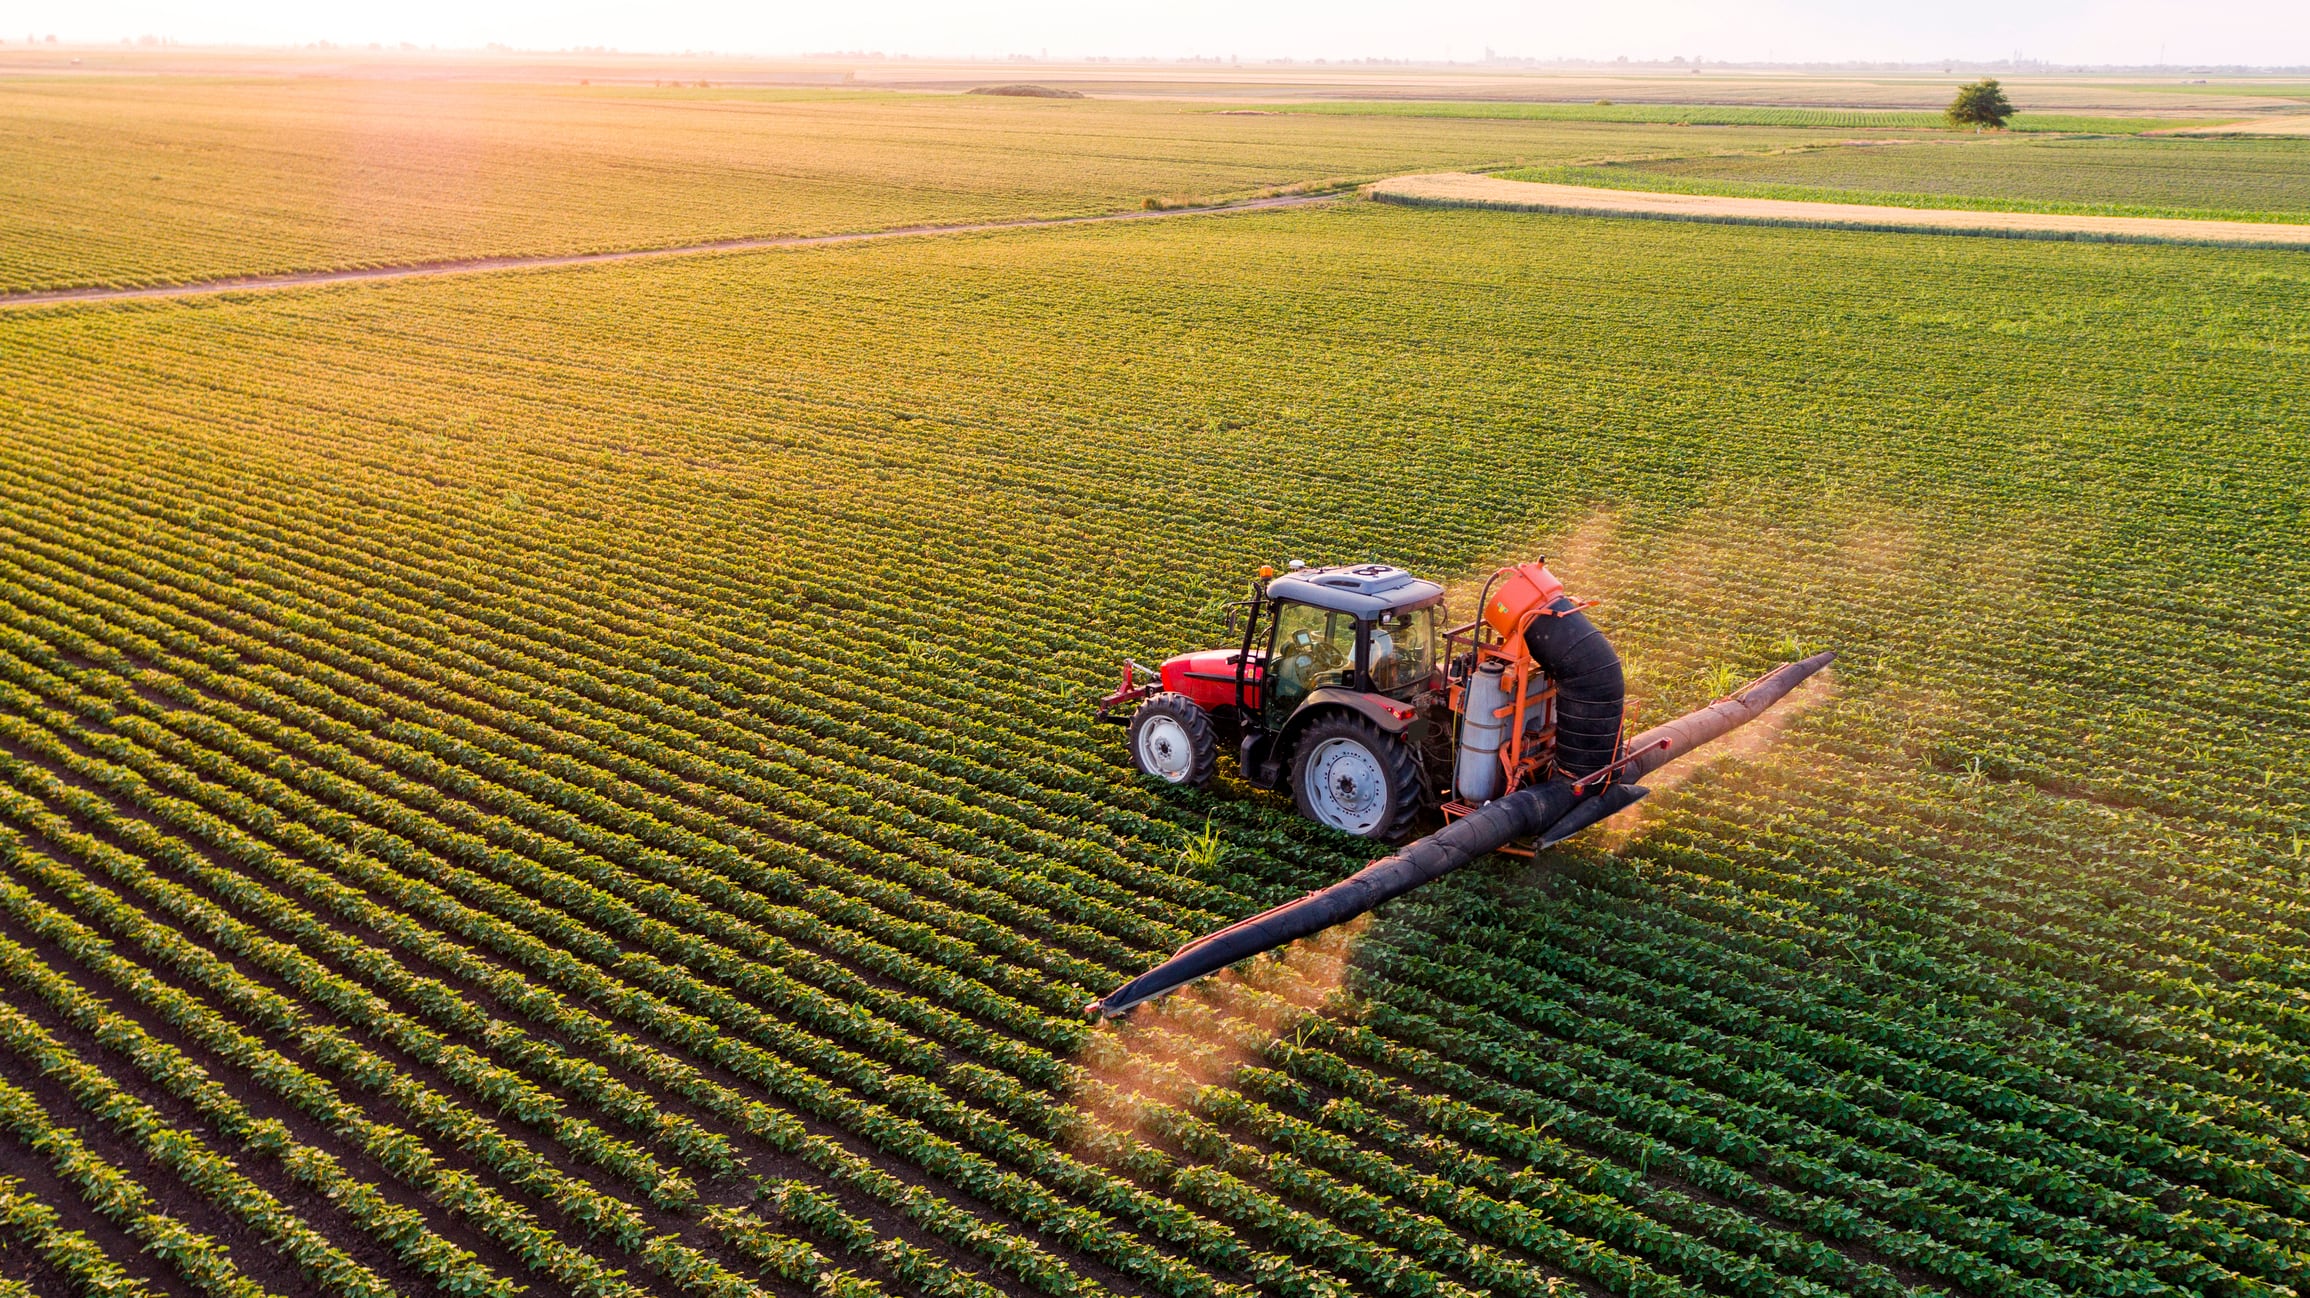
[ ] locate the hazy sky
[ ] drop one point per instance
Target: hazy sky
(2262, 32)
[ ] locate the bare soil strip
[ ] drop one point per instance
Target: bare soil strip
(1461, 189)
(474, 265)
(2290, 124)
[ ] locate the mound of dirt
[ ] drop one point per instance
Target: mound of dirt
(1024, 91)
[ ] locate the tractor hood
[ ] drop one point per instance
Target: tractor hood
(1208, 677)
(1361, 590)
(1206, 664)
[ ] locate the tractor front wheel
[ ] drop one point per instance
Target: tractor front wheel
(1172, 740)
(1349, 774)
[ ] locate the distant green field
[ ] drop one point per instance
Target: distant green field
(2238, 179)
(1725, 115)
(146, 180)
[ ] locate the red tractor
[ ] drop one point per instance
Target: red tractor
(1346, 685)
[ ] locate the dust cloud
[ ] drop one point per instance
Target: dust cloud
(1200, 1035)
(1747, 743)
(1688, 599)
(1581, 551)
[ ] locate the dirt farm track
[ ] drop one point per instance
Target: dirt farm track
(1461, 189)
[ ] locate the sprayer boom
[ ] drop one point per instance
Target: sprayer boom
(1547, 812)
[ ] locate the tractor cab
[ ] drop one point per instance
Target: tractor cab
(1370, 629)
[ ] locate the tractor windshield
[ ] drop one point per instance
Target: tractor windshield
(1403, 651)
(1313, 648)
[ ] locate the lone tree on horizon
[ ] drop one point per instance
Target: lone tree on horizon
(1982, 103)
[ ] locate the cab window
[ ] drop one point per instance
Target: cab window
(1313, 648)
(1403, 649)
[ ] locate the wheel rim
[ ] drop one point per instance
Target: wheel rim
(1346, 786)
(1165, 749)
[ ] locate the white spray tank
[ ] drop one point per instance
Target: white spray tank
(1477, 777)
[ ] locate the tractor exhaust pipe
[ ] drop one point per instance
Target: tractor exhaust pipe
(1547, 813)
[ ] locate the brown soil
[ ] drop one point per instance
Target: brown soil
(2288, 124)
(1461, 189)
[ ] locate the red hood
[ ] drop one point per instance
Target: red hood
(1219, 661)
(1208, 677)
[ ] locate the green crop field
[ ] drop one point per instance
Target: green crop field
(1705, 114)
(2245, 179)
(103, 181)
(581, 780)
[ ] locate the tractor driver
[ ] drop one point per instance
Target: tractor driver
(1383, 656)
(1304, 651)
(1399, 651)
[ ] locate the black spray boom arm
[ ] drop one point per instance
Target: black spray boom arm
(1548, 813)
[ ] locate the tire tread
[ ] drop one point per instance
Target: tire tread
(1201, 735)
(1403, 771)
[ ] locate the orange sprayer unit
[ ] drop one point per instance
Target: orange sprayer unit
(1503, 697)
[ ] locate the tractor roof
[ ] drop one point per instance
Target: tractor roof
(1363, 590)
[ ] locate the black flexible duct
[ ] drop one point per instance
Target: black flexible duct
(1590, 689)
(1527, 811)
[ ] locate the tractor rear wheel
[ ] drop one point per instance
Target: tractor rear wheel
(1172, 740)
(1349, 774)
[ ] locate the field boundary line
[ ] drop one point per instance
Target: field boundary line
(548, 261)
(1465, 189)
